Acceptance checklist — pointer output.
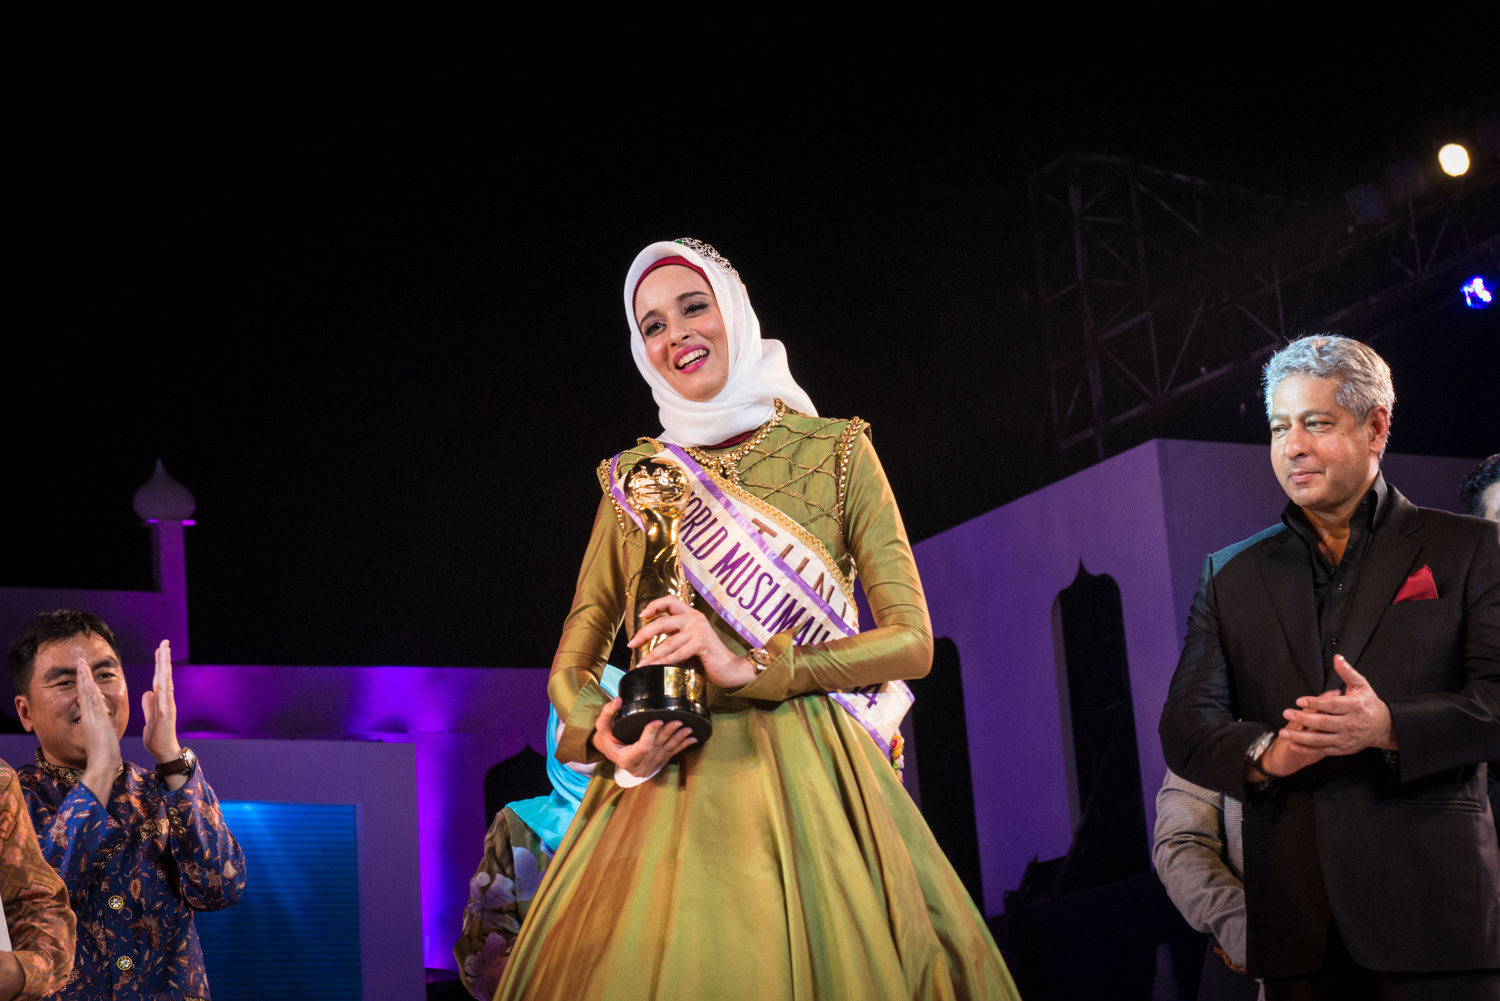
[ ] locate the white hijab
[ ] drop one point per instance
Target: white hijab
(758, 372)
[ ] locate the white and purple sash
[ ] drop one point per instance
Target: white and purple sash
(764, 574)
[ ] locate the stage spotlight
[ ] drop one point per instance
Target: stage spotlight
(1477, 295)
(1454, 160)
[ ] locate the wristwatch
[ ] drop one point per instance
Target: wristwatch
(761, 658)
(179, 766)
(1253, 758)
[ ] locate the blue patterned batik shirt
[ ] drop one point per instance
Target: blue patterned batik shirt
(135, 872)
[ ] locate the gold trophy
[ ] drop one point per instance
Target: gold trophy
(660, 692)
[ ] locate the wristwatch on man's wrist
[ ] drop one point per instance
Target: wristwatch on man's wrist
(178, 766)
(1256, 754)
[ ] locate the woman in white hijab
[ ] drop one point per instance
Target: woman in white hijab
(781, 858)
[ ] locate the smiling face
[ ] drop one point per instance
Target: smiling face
(679, 321)
(1324, 456)
(49, 708)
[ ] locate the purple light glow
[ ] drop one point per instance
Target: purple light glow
(460, 721)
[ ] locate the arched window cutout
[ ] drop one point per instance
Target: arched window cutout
(1098, 730)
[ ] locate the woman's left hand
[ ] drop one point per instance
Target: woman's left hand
(689, 634)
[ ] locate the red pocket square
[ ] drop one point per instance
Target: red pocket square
(1418, 587)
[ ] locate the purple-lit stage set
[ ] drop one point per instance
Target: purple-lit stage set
(409, 746)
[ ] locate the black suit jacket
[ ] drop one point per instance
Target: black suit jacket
(1405, 859)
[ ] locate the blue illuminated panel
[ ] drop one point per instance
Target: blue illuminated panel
(295, 932)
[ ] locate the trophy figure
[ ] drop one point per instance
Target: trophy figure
(665, 692)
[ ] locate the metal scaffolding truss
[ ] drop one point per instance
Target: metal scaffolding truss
(1156, 284)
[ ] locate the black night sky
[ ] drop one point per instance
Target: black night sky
(368, 309)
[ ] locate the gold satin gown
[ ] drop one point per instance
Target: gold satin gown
(781, 859)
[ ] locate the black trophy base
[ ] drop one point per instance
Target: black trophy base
(662, 693)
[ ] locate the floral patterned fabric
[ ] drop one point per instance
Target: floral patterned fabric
(36, 902)
(136, 871)
(500, 893)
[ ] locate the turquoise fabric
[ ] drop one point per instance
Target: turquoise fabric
(549, 816)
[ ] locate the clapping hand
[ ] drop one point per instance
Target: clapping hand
(1334, 723)
(1342, 723)
(100, 741)
(160, 708)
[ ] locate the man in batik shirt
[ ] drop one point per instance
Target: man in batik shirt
(139, 851)
(37, 916)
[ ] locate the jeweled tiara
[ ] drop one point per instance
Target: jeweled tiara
(708, 252)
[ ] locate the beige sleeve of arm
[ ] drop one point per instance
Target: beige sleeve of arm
(1192, 861)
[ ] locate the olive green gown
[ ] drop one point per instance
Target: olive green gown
(781, 859)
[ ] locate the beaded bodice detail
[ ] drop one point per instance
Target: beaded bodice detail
(798, 464)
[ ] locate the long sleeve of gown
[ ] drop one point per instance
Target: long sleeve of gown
(599, 603)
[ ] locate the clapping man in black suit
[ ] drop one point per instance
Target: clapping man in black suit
(1341, 675)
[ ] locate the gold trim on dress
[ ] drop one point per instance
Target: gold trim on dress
(727, 464)
(851, 434)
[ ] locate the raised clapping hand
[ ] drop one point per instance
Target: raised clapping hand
(100, 742)
(160, 709)
(1333, 723)
(689, 634)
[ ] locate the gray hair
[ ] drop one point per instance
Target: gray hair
(1364, 377)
